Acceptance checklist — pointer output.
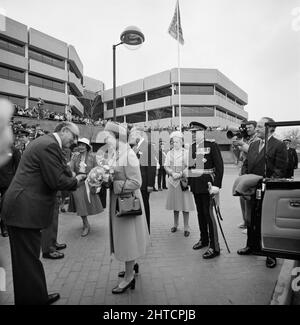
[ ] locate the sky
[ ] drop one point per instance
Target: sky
(255, 43)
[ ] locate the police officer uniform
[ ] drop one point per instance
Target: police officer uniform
(205, 165)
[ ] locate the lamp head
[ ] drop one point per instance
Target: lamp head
(132, 37)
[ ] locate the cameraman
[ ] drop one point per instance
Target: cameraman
(243, 145)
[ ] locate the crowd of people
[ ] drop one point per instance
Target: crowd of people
(47, 169)
(44, 114)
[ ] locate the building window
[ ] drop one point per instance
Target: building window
(139, 98)
(195, 89)
(47, 59)
(161, 92)
(15, 100)
(119, 103)
(46, 83)
(136, 117)
(220, 113)
(12, 74)
(231, 98)
(203, 111)
(71, 69)
(157, 114)
(51, 107)
(12, 46)
(220, 92)
(120, 119)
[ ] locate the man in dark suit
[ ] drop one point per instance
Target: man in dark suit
(206, 166)
(255, 164)
(28, 207)
(7, 172)
(139, 140)
(161, 177)
(50, 246)
(292, 159)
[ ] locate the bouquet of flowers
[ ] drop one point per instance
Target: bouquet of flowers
(101, 175)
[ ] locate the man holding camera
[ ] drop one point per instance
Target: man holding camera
(249, 135)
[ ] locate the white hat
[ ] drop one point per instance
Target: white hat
(85, 141)
(176, 134)
(116, 128)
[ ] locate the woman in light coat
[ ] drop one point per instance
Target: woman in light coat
(176, 166)
(129, 235)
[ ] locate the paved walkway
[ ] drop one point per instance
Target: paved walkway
(171, 272)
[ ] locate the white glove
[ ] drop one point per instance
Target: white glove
(213, 189)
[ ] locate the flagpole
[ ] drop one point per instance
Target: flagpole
(178, 67)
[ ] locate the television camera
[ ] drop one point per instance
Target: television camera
(240, 132)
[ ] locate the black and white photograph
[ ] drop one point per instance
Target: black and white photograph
(149, 155)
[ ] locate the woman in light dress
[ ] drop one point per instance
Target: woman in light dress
(129, 235)
(176, 166)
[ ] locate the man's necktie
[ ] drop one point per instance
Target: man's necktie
(261, 145)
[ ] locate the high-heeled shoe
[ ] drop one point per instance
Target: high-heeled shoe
(131, 285)
(135, 269)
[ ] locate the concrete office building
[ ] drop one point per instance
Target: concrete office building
(207, 96)
(34, 65)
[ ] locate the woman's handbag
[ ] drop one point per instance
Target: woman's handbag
(128, 204)
(184, 184)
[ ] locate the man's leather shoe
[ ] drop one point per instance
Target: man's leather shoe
(271, 262)
(245, 251)
(52, 298)
(55, 255)
(210, 253)
(60, 246)
(200, 244)
(173, 229)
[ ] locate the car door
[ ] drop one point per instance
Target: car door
(276, 222)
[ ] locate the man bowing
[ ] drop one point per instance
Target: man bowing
(28, 208)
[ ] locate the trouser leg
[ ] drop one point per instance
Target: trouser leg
(49, 235)
(145, 196)
(159, 178)
(164, 178)
(28, 273)
(248, 214)
(213, 228)
(202, 221)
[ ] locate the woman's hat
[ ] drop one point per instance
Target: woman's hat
(85, 141)
(116, 128)
(176, 134)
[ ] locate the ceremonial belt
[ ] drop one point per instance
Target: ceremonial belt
(202, 171)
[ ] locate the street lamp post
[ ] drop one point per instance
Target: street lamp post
(133, 37)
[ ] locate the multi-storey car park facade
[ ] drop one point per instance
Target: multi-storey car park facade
(207, 96)
(35, 65)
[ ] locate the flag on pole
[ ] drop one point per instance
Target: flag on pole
(175, 29)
